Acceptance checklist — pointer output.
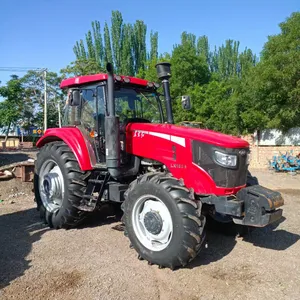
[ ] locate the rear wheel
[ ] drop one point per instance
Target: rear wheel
(59, 185)
(163, 223)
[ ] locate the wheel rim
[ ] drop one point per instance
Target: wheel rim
(51, 185)
(152, 223)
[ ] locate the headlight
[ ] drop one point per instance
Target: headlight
(226, 160)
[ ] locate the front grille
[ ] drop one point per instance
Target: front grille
(203, 155)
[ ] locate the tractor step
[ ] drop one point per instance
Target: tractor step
(94, 191)
(97, 181)
(86, 208)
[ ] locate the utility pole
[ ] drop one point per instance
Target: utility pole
(45, 100)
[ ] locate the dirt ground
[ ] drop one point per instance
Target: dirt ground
(95, 261)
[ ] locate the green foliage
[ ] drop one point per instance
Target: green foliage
(107, 43)
(117, 38)
(271, 92)
(33, 85)
(123, 44)
(188, 68)
(231, 90)
(127, 60)
(12, 108)
(153, 55)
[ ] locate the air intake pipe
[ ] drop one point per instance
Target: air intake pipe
(112, 136)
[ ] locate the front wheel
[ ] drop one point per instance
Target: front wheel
(163, 223)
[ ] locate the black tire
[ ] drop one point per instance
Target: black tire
(188, 223)
(75, 182)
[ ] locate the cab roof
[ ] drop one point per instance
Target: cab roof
(79, 80)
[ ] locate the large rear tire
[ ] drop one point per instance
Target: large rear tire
(59, 185)
(163, 223)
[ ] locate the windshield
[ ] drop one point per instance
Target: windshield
(129, 103)
(135, 103)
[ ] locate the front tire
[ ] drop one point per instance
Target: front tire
(59, 185)
(163, 223)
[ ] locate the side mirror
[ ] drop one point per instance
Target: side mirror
(75, 98)
(186, 102)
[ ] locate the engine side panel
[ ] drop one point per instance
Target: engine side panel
(73, 137)
(176, 153)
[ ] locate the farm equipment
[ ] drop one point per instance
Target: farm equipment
(285, 162)
(116, 147)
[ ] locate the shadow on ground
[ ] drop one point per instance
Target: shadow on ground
(270, 238)
(10, 158)
(107, 214)
(220, 242)
(18, 231)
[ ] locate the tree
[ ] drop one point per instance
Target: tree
(203, 49)
(153, 55)
(117, 38)
(33, 85)
(81, 67)
(12, 108)
(127, 61)
(271, 93)
(107, 43)
(188, 69)
(123, 44)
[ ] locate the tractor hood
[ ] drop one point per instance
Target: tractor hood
(203, 135)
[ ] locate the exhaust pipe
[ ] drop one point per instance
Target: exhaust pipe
(164, 73)
(112, 139)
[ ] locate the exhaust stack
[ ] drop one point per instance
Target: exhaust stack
(112, 139)
(164, 74)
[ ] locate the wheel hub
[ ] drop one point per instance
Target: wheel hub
(153, 222)
(52, 184)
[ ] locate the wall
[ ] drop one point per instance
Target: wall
(273, 137)
(261, 154)
(12, 142)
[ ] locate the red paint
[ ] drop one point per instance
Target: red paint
(156, 148)
(79, 80)
(73, 137)
(203, 135)
(161, 149)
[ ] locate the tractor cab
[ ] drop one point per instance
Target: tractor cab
(135, 100)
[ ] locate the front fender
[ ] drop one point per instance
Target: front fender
(74, 138)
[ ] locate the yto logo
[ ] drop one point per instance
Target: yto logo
(139, 133)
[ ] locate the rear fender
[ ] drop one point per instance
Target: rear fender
(74, 138)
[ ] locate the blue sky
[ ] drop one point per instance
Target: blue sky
(41, 33)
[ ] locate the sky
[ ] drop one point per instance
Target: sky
(42, 33)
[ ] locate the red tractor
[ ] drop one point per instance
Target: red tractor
(116, 147)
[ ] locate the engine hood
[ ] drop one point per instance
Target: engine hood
(203, 135)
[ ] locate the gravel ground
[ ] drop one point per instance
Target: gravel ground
(95, 261)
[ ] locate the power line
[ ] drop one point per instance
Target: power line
(21, 69)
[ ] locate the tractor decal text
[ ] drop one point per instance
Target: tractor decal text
(173, 138)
